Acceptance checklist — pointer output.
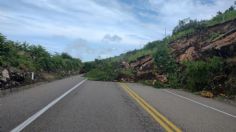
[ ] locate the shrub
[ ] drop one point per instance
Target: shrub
(104, 71)
(198, 74)
(96, 74)
(127, 72)
(164, 61)
(35, 58)
(173, 80)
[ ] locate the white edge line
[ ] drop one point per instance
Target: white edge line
(40, 112)
(200, 104)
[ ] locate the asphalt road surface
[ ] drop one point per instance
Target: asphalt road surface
(75, 104)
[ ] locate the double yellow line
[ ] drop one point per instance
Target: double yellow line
(158, 117)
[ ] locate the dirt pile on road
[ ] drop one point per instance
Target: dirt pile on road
(144, 69)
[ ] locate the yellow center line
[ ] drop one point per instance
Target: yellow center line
(158, 117)
(154, 110)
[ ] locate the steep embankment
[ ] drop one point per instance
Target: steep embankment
(199, 56)
(217, 40)
(198, 48)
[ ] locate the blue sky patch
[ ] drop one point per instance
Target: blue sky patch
(91, 29)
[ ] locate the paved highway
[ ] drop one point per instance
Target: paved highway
(76, 104)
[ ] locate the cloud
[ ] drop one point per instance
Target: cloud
(171, 11)
(123, 24)
(88, 51)
(111, 38)
(79, 48)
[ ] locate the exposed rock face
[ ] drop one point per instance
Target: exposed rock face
(218, 40)
(142, 62)
(225, 47)
(198, 45)
(194, 47)
(189, 54)
(223, 27)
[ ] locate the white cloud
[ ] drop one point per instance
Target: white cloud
(111, 38)
(73, 19)
(135, 24)
(171, 11)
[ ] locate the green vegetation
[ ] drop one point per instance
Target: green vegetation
(188, 27)
(104, 71)
(35, 58)
(166, 65)
(164, 61)
(199, 74)
(181, 34)
(192, 75)
(107, 71)
(133, 55)
(228, 15)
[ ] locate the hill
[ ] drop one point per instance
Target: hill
(198, 56)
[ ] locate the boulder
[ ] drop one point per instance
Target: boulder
(162, 78)
(125, 65)
(5, 75)
(207, 94)
(147, 66)
(190, 54)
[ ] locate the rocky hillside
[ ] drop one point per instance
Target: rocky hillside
(199, 56)
(217, 40)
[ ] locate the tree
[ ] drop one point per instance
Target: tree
(163, 59)
(35, 58)
(231, 8)
(219, 13)
(2, 39)
(66, 56)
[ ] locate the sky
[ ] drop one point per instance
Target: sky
(89, 29)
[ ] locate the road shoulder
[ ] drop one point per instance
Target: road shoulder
(188, 115)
